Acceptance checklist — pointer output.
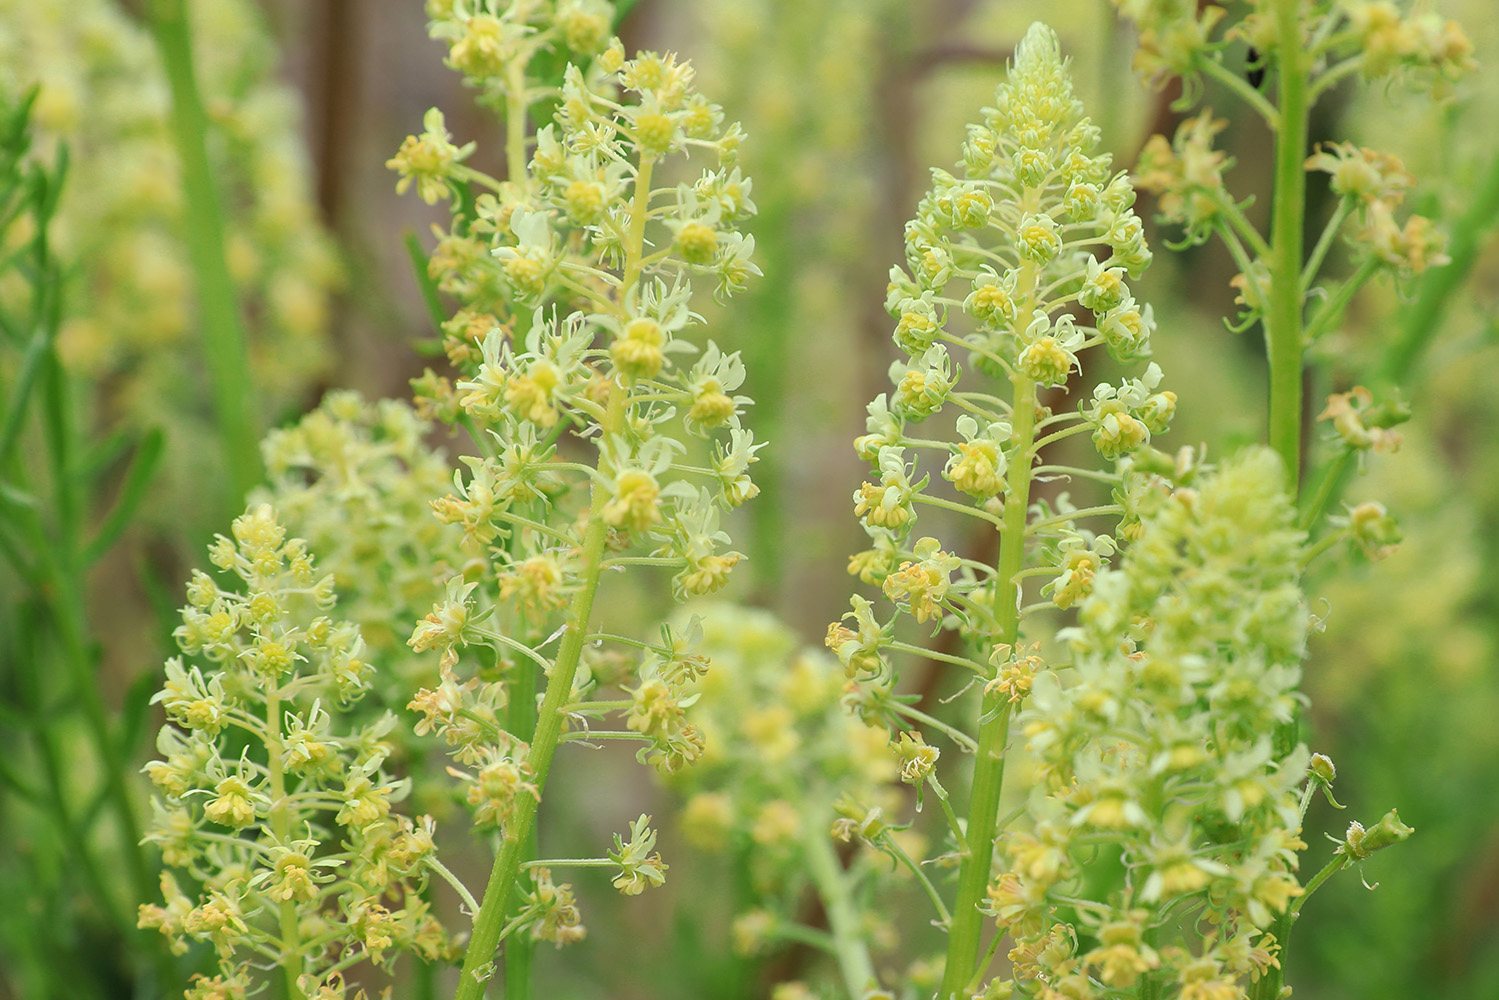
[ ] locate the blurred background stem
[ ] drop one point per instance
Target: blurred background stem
(225, 349)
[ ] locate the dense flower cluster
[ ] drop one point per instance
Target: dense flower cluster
(1157, 745)
(1018, 232)
(275, 805)
(356, 480)
(607, 438)
(1020, 261)
(616, 371)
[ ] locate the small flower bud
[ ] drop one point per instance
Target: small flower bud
(1360, 843)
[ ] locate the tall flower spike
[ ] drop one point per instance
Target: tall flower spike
(578, 378)
(271, 795)
(1019, 262)
(1186, 659)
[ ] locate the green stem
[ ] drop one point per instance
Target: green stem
(490, 921)
(515, 121)
(61, 562)
(994, 729)
(521, 720)
(893, 846)
(1328, 488)
(291, 943)
(1271, 984)
(1332, 308)
(225, 349)
(491, 917)
(1287, 237)
(1337, 864)
(1210, 65)
(1324, 244)
(831, 881)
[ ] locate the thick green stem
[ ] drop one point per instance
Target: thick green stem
(1283, 320)
(831, 881)
(994, 729)
(521, 720)
(225, 350)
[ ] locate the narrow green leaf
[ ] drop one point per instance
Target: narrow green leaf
(15, 411)
(142, 467)
(430, 295)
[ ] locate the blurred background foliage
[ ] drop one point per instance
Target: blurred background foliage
(846, 102)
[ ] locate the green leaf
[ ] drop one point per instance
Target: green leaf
(15, 412)
(424, 281)
(142, 467)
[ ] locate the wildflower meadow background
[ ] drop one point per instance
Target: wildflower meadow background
(841, 499)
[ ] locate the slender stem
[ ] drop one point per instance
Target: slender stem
(516, 107)
(956, 508)
(1327, 488)
(810, 936)
(1240, 86)
(490, 920)
(1337, 864)
(489, 925)
(1287, 237)
(1235, 249)
(639, 212)
(588, 736)
(945, 801)
(62, 570)
(1336, 75)
(1103, 510)
(893, 846)
(1331, 310)
(1239, 222)
(994, 728)
(462, 890)
(1270, 985)
(938, 656)
(1324, 544)
(1055, 436)
(915, 714)
(225, 351)
(1324, 244)
(291, 943)
(832, 884)
(989, 953)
